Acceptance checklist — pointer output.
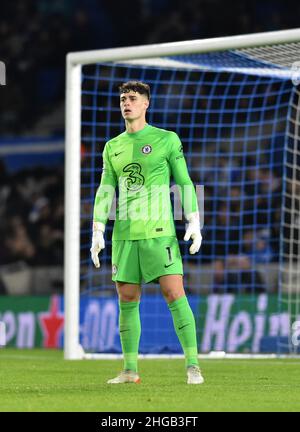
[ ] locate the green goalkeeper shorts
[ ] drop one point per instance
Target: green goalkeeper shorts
(137, 261)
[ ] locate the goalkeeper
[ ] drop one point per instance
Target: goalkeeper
(139, 162)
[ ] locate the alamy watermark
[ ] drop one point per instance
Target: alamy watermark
(2, 73)
(295, 73)
(149, 204)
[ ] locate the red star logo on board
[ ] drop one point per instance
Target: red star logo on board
(51, 323)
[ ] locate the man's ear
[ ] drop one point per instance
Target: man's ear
(147, 103)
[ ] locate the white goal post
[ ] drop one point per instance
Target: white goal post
(74, 63)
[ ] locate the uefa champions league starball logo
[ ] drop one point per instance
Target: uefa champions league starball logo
(295, 73)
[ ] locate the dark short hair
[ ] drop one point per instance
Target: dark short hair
(136, 86)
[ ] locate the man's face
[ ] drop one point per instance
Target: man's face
(133, 105)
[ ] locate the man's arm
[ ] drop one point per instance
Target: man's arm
(102, 205)
(106, 190)
(187, 192)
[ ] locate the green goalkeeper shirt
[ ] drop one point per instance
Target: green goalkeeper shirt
(140, 165)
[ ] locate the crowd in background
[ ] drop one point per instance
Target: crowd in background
(32, 216)
(35, 38)
(245, 219)
(37, 34)
(242, 225)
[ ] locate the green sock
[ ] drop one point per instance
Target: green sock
(130, 332)
(184, 323)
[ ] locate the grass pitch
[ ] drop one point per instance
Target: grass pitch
(40, 380)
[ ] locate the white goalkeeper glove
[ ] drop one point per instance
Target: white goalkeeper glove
(193, 232)
(97, 242)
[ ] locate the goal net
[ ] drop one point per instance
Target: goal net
(234, 102)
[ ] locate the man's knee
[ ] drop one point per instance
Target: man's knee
(129, 297)
(128, 292)
(171, 287)
(172, 293)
